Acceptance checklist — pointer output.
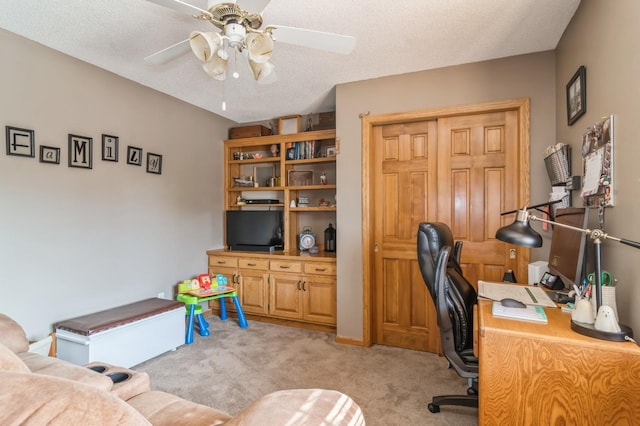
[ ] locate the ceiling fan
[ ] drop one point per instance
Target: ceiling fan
(240, 33)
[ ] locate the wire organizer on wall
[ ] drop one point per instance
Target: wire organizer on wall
(558, 165)
(597, 156)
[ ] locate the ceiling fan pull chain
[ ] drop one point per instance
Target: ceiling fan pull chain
(235, 73)
(224, 104)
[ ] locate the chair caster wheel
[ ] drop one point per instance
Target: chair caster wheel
(472, 391)
(433, 408)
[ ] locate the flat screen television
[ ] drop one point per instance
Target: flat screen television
(254, 230)
(568, 247)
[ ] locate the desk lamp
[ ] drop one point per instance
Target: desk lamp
(520, 233)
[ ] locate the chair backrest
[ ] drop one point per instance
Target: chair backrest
(443, 276)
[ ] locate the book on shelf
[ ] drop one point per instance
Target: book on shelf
(530, 313)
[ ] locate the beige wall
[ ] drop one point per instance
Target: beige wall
(531, 76)
(75, 241)
(603, 36)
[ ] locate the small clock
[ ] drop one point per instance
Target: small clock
(306, 239)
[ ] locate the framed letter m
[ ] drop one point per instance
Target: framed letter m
(80, 151)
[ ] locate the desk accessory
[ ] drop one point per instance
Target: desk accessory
(330, 239)
(306, 239)
(520, 233)
(536, 271)
(530, 313)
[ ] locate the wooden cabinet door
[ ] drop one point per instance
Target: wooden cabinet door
(319, 299)
(286, 295)
(254, 296)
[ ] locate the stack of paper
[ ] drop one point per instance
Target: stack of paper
(527, 294)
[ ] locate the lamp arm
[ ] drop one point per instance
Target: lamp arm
(593, 233)
(536, 207)
(562, 225)
(627, 242)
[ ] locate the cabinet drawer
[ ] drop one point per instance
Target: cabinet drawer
(229, 262)
(320, 268)
(261, 264)
(285, 266)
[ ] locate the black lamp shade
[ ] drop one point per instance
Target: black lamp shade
(519, 233)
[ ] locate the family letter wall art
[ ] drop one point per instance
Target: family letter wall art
(21, 142)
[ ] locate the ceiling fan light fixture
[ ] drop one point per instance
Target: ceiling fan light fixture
(216, 67)
(204, 45)
(260, 47)
(261, 70)
(236, 34)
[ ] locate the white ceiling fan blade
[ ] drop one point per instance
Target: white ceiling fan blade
(170, 53)
(251, 6)
(330, 42)
(180, 6)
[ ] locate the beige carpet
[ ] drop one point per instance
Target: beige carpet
(233, 367)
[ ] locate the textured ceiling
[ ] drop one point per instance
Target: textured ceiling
(392, 38)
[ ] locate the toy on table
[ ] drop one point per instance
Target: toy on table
(204, 286)
(205, 281)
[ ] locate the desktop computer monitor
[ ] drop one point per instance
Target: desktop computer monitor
(568, 247)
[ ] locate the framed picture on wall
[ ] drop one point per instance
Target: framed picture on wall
(80, 151)
(577, 95)
(49, 154)
(109, 148)
(134, 155)
(154, 163)
(20, 142)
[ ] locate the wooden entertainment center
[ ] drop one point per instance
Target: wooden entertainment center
(298, 170)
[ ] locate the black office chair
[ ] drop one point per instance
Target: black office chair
(453, 297)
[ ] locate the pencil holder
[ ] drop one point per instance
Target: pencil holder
(608, 299)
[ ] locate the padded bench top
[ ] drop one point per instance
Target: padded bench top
(115, 317)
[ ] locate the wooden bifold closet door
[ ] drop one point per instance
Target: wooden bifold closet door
(462, 170)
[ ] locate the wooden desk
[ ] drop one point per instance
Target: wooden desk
(543, 374)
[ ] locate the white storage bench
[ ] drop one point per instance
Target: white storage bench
(123, 336)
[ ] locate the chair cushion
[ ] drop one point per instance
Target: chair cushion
(301, 407)
(34, 399)
(461, 298)
(161, 408)
(9, 361)
(12, 335)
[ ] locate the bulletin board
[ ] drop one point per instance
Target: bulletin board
(597, 160)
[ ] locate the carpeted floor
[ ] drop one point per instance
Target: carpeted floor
(234, 366)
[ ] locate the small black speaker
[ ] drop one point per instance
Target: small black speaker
(509, 276)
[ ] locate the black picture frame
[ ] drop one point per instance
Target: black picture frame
(154, 163)
(49, 154)
(80, 151)
(134, 155)
(577, 95)
(20, 142)
(110, 148)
